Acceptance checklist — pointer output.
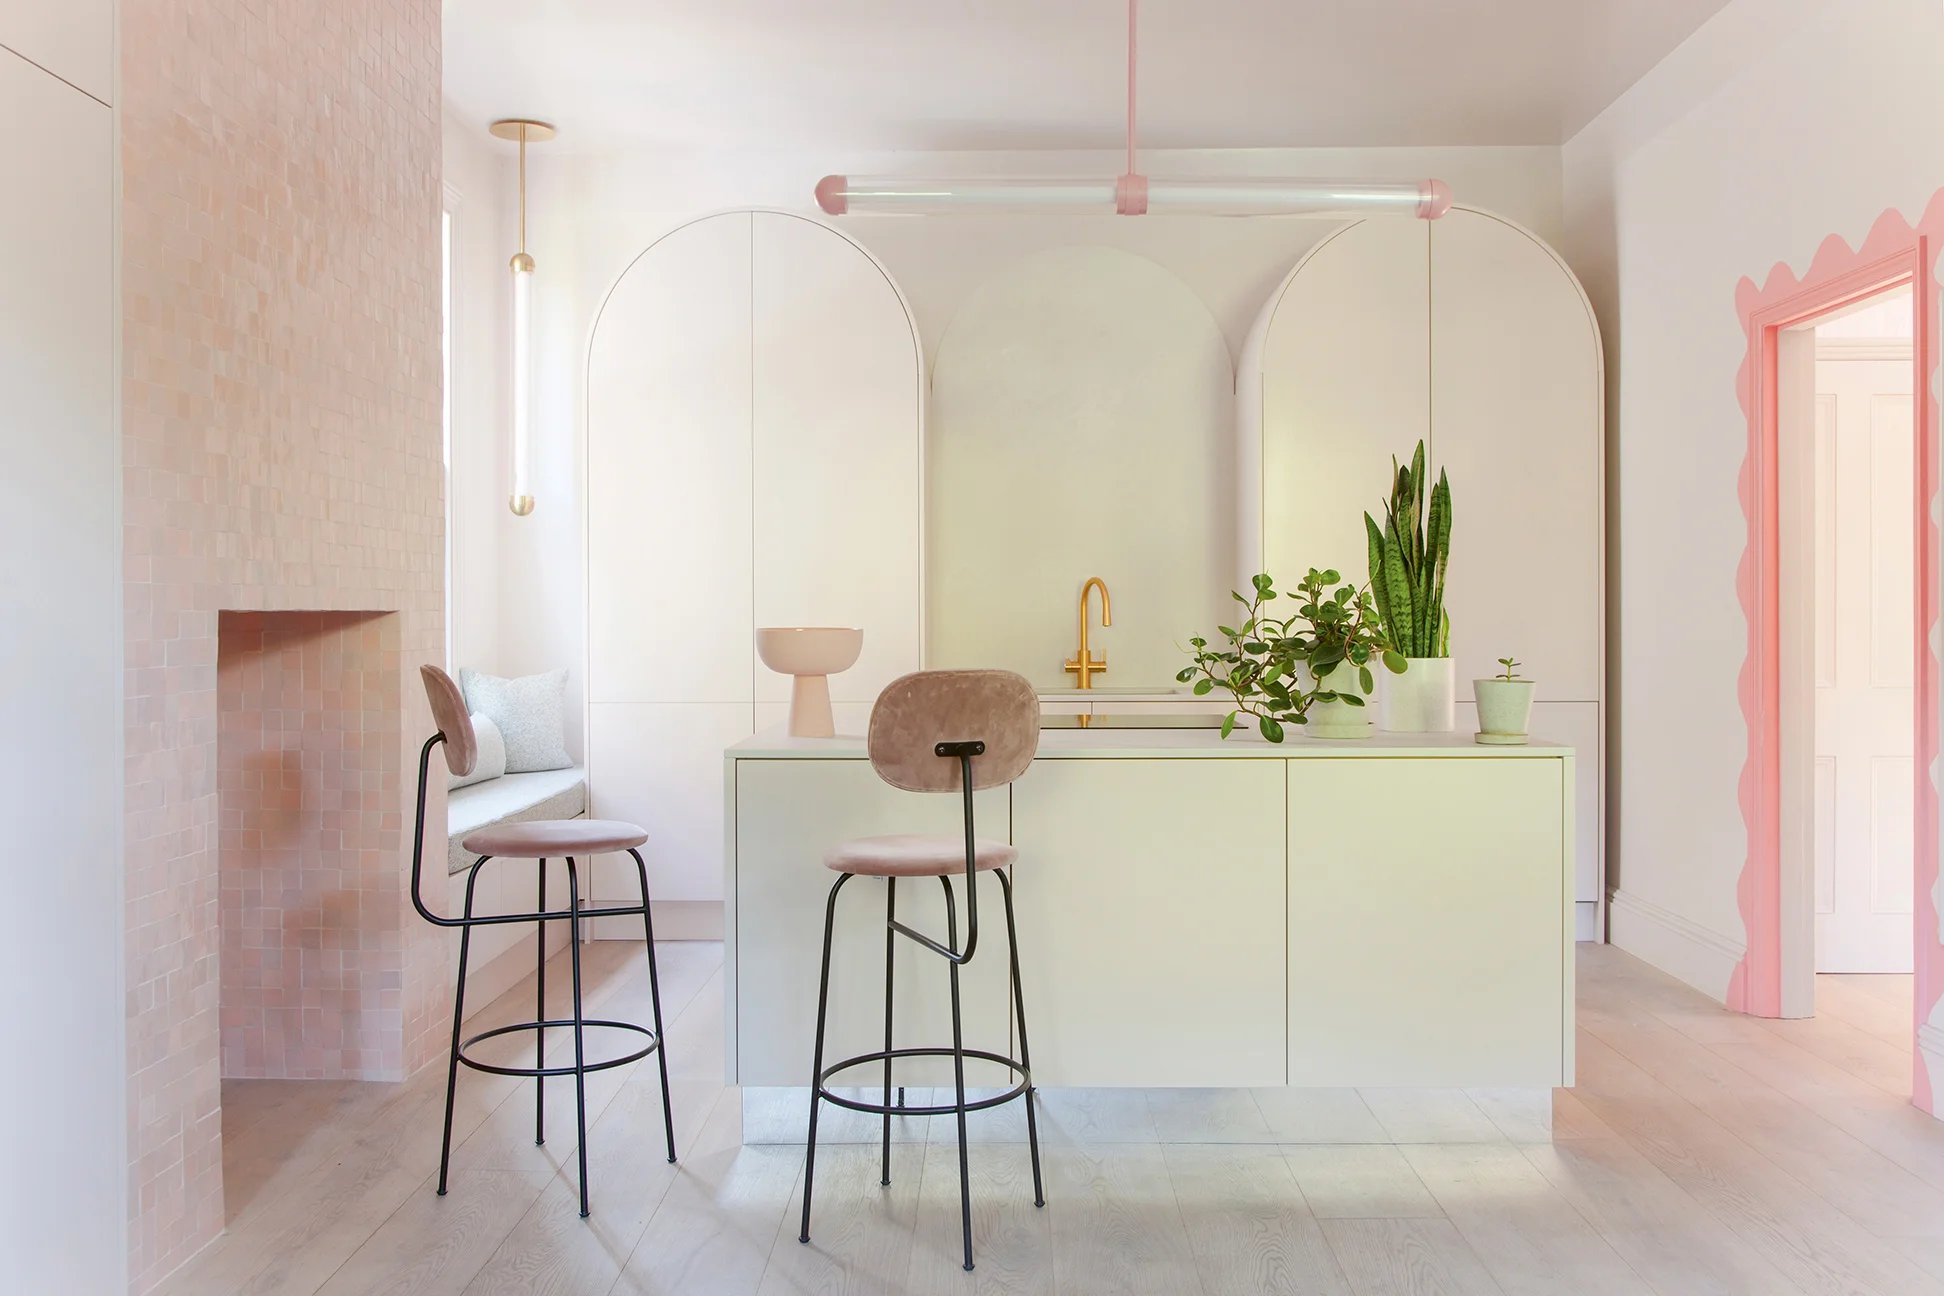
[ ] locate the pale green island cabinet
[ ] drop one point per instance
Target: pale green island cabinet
(1391, 913)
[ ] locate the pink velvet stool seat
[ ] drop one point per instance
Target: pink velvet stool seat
(553, 838)
(533, 844)
(955, 732)
(915, 855)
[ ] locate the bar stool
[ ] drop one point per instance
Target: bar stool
(538, 840)
(936, 731)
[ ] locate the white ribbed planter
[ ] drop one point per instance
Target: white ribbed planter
(1424, 699)
(1340, 719)
(1504, 709)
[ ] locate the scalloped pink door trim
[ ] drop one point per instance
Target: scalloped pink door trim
(1839, 274)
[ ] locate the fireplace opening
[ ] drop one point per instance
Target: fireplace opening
(309, 830)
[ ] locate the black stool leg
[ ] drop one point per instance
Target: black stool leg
(580, 1058)
(1025, 1051)
(890, 945)
(540, 1031)
(654, 999)
(958, 1074)
(816, 1064)
(458, 1016)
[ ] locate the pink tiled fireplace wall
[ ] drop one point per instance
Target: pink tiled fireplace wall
(281, 453)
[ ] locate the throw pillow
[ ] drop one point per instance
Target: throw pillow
(492, 754)
(531, 715)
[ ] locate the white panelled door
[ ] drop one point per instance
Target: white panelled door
(1864, 658)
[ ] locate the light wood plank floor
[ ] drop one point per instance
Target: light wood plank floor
(1701, 1153)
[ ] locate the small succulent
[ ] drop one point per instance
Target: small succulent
(1511, 671)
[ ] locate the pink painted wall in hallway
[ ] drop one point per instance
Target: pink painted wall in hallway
(1838, 273)
(281, 446)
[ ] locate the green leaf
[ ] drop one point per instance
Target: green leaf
(1204, 687)
(1364, 678)
(1394, 660)
(1350, 699)
(1228, 724)
(1397, 583)
(1374, 543)
(1270, 729)
(1185, 674)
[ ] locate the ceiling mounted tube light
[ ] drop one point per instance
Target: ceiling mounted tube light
(1131, 193)
(1229, 196)
(521, 500)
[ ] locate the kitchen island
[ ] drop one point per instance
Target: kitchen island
(1392, 913)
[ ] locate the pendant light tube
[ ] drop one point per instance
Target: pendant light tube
(521, 499)
(1105, 195)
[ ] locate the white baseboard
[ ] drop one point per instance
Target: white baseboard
(678, 920)
(1586, 921)
(1683, 949)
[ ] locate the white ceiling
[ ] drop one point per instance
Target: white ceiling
(1042, 74)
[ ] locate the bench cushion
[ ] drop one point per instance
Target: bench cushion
(511, 798)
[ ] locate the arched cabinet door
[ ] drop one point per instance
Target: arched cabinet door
(1341, 354)
(1515, 419)
(668, 482)
(752, 459)
(837, 487)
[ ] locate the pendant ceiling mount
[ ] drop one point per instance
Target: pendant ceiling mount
(1132, 193)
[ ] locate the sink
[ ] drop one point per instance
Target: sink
(810, 654)
(1120, 690)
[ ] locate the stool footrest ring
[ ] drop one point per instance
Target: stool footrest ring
(1023, 1086)
(567, 1024)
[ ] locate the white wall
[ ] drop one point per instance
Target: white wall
(479, 186)
(63, 1192)
(589, 215)
(1779, 123)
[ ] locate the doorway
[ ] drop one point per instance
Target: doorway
(1776, 891)
(1848, 653)
(1859, 447)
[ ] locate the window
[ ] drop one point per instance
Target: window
(445, 410)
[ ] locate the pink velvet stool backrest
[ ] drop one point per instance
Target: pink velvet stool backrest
(449, 713)
(917, 712)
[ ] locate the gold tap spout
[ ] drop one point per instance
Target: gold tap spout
(1084, 663)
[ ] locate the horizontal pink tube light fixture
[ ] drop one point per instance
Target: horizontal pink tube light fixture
(1133, 195)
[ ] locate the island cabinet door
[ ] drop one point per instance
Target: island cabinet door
(1429, 902)
(787, 814)
(1151, 910)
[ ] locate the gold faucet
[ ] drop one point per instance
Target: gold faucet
(1084, 664)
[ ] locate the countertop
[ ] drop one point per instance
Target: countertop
(1133, 744)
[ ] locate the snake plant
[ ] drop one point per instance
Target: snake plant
(1407, 561)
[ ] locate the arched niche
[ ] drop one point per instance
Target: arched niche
(1082, 402)
(754, 457)
(1471, 333)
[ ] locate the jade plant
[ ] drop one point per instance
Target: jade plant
(1511, 672)
(1258, 662)
(1407, 561)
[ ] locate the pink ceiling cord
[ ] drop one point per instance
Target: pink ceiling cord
(1133, 194)
(1131, 188)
